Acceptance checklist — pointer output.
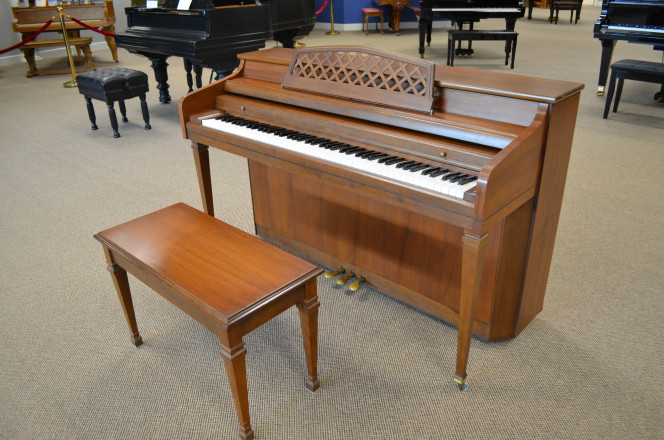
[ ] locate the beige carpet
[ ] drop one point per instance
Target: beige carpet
(588, 367)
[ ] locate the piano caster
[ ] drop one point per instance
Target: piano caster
(344, 279)
(461, 383)
(355, 285)
(600, 91)
(334, 273)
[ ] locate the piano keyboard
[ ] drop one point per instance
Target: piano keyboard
(476, 10)
(437, 179)
(641, 29)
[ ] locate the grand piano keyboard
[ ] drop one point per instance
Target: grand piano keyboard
(634, 28)
(438, 179)
(478, 10)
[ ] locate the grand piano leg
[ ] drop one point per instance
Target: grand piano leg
(424, 25)
(202, 161)
(605, 63)
(471, 275)
(187, 68)
(159, 65)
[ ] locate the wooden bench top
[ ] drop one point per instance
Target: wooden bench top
(58, 42)
(222, 270)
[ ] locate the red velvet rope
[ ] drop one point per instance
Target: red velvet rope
(322, 7)
(31, 37)
(108, 34)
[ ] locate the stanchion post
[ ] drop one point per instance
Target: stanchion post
(71, 83)
(332, 31)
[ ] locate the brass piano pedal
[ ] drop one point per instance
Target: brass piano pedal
(355, 285)
(334, 273)
(344, 279)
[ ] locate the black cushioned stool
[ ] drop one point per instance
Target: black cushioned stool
(635, 70)
(110, 85)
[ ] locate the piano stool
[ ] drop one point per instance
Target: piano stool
(635, 70)
(453, 36)
(110, 85)
(566, 6)
(372, 12)
(82, 44)
(228, 280)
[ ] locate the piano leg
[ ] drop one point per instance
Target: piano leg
(605, 63)
(187, 68)
(424, 26)
(202, 161)
(198, 71)
(159, 65)
(471, 275)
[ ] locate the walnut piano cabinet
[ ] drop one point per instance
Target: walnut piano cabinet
(480, 261)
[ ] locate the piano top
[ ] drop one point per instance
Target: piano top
(500, 84)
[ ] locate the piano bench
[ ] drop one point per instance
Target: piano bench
(82, 44)
(566, 6)
(228, 280)
(635, 70)
(110, 85)
(454, 36)
(372, 12)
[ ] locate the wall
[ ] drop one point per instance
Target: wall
(348, 14)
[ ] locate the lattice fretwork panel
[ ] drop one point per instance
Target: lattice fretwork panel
(363, 74)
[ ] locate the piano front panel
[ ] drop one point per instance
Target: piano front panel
(411, 256)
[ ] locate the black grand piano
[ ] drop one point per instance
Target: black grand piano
(467, 11)
(636, 21)
(211, 33)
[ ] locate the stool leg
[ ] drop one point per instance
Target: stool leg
(234, 358)
(114, 119)
(609, 96)
(123, 110)
(309, 322)
(513, 53)
(91, 112)
(144, 109)
(121, 282)
(618, 93)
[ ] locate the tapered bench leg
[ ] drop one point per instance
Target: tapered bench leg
(91, 112)
(114, 119)
(123, 110)
(121, 282)
(234, 358)
(309, 322)
(144, 109)
(618, 93)
(609, 96)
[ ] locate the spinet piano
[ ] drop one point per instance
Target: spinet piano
(467, 11)
(636, 21)
(439, 186)
(27, 21)
(211, 33)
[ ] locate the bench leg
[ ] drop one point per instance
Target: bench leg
(513, 53)
(123, 110)
(121, 282)
(234, 358)
(609, 96)
(309, 322)
(618, 93)
(144, 109)
(91, 112)
(114, 119)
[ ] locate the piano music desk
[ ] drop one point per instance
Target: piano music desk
(228, 280)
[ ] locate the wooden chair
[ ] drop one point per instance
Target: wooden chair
(372, 12)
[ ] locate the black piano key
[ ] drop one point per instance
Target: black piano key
(450, 175)
(418, 168)
(430, 170)
(366, 153)
(355, 150)
(396, 160)
(466, 180)
(405, 164)
(439, 172)
(377, 156)
(459, 177)
(386, 158)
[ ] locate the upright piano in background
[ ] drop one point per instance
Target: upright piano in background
(467, 11)
(212, 33)
(27, 21)
(463, 230)
(636, 21)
